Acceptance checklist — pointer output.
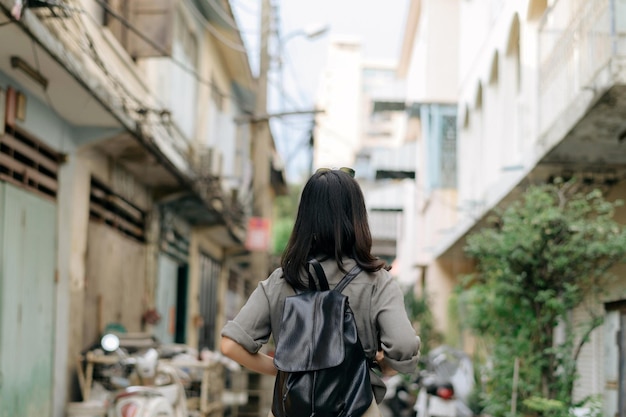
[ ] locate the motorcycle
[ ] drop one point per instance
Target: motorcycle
(445, 384)
(399, 397)
(142, 386)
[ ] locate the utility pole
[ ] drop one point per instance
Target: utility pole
(262, 191)
(261, 143)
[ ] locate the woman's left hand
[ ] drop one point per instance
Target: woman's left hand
(383, 365)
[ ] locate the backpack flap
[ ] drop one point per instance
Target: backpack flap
(311, 332)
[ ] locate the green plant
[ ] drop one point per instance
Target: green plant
(475, 400)
(593, 405)
(285, 210)
(546, 407)
(540, 258)
(418, 311)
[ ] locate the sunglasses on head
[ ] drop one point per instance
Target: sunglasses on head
(347, 170)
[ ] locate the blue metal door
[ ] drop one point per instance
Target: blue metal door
(27, 306)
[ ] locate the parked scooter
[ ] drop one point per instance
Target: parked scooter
(399, 397)
(445, 384)
(150, 389)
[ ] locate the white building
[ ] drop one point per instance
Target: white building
(363, 126)
(337, 130)
(429, 63)
(540, 92)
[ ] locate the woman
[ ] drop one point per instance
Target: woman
(331, 226)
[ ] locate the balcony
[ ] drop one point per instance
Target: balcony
(582, 83)
(384, 229)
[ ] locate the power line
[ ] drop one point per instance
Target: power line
(123, 93)
(284, 57)
(305, 143)
(224, 15)
(291, 68)
(90, 49)
(284, 95)
(178, 63)
(158, 47)
(215, 32)
(246, 8)
(93, 52)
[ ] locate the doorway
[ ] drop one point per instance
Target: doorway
(27, 301)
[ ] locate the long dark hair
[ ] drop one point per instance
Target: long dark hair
(331, 223)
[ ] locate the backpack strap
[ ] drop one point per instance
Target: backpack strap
(321, 276)
(348, 278)
(312, 285)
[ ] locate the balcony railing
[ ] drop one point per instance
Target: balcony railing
(577, 39)
(121, 84)
(384, 224)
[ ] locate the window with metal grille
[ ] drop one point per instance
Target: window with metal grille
(448, 151)
(210, 271)
(28, 163)
(115, 211)
(439, 124)
(174, 236)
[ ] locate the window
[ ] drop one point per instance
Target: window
(113, 210)
(210, 271)
(439, 123)
(152, 19)
(448, 152)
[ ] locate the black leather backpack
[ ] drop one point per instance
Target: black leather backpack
(322, 368)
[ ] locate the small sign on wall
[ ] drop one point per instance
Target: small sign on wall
(20, 108)
(258, 237)
(15, 107)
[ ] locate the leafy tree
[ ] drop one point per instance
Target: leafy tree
(540, 258)
(285, 210)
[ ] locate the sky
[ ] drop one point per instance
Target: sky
(379, 25)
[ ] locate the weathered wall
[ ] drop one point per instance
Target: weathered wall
(200, 244)
(114, 283)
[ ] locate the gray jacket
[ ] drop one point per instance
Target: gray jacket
(375, 298)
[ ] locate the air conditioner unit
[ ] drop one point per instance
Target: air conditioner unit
(207, 162)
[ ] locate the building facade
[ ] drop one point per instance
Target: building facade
(539, 88)
(363, 126)
(497, 94)
(125, 183)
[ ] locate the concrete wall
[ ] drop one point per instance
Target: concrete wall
(441, 279)
(337, 134)
(495, 96)
(433, 71)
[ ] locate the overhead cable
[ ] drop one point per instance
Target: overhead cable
(145, 38)
(215, 32)
(224, 15)
(160, 49)
(240, 5)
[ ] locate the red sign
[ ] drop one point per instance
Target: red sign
(258, 237)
